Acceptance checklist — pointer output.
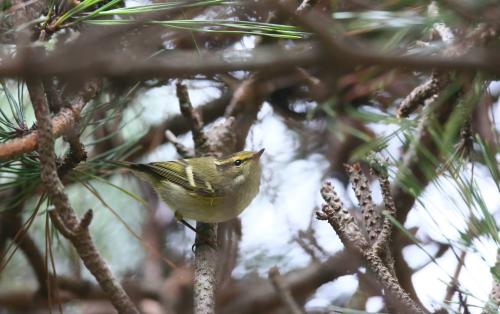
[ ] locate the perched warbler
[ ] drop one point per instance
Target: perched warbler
(206, 189)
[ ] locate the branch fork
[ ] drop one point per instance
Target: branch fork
(372, 247)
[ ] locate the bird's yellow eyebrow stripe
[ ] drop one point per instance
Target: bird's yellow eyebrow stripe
(230, 161)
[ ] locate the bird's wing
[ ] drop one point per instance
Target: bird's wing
(182, 174)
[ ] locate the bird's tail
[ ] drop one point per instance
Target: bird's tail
(130, 165)
(143, 171)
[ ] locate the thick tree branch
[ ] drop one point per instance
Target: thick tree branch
(205, 259)
(81, 240)
(112, 64)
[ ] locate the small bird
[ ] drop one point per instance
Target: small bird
(206, 189)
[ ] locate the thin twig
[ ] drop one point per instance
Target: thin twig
(193, 116)
(453, 285)
(283, 291)
(379, 168)
(182, 150)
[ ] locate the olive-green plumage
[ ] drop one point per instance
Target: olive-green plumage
(205, 189)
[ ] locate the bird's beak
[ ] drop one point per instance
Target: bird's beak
(258, 154)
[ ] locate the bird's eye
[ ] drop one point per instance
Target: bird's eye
(237, 162)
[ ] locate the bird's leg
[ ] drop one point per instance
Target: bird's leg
(180, 219)
(201, 241)
(187, 224)
(197, 242)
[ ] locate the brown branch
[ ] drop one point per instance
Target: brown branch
(76, 59)
(306, 239)
(193, 117)
(77, 152)
(181, 149)
(381, 245)
(222, 139)
(81, 240)
(244, 106)
(60, 124)
(54, 94)
(283, 291)
(249, 96)
(368, 286)
(180, 64)
(113, 64)
(179, 125)
(453, 285)
(227, 137)
(419, 166)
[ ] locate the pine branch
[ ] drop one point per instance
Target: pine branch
(61, 124)
(67, 222)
